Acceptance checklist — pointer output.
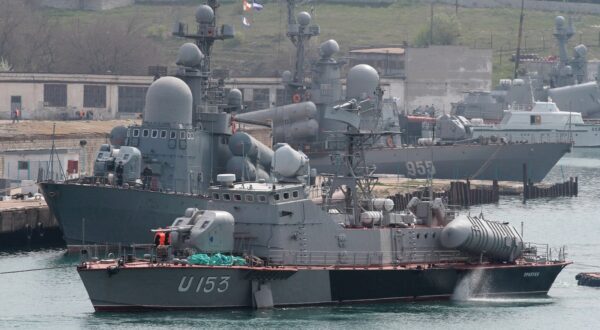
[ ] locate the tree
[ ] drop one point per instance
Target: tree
(446, 31)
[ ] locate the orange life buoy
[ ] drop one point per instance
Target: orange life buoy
(296, 98)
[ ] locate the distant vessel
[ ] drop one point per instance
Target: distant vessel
(263, 245)
(543, 123)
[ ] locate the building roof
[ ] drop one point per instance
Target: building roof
(383, 50)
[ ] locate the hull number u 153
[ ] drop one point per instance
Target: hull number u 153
(204, 284)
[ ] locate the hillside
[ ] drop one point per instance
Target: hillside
(263, 48)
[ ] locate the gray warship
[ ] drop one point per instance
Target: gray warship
(186, 140)
(562, 79)
(289, 243)
(321, 112)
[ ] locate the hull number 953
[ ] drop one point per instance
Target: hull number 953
(420, 168)
(206, 284)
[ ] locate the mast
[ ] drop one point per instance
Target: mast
(299, 32)
(518, 56)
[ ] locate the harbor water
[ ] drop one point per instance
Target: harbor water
(56, 298)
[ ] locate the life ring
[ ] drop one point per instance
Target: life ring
(390, 142)
(296, 98)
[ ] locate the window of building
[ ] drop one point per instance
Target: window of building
(154, 133)
(280, 98)
(23, 165)
(94, 96)
(132, 99)
(55, 95)
(163, 134)
(260, 98)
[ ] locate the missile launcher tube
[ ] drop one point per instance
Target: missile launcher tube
(478, 236)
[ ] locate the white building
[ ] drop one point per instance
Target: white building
(23, 164)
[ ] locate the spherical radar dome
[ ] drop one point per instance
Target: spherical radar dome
(559, 21)
(328, 48)
(169, 101)
(189, 55)
(118, 135)
(361, 82)
(204, 14)
(303, 18)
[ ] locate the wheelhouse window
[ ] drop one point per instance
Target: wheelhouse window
(146, 133)
(154, 133)
(163, 134)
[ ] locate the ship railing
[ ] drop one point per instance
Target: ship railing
(362, 258)
(541, 252)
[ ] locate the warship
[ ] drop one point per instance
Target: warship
(287, 242)
(186, 139)
(321, 112)
(560, 79)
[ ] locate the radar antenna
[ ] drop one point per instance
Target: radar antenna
(299, 32)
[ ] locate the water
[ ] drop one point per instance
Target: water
(57, 299)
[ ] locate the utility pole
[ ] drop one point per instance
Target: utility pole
(518, 57)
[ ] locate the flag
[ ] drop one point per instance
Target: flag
(257, 6)
(246, 5)
(246, 22)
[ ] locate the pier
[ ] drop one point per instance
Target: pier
(28, 223)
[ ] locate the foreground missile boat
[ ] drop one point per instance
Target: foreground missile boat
(268, 244)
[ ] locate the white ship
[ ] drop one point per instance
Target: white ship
(543, 123)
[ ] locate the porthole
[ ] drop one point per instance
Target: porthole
(163, 134)
(276, 197)
(262, 198)
(136, 132)
(216, 196)
(286, 195)
(295, 194)
(173, 135)
(226, 197)
(237, 197)
(249, 198)
(418, 236)
(145, 133)
(154, 133)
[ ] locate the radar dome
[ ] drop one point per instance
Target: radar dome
(189, 55)
(559, 21)
(361, 82)
(117, 136)
(169, 101)
(581, 50)
(303, 18)
(204, 14)
(328, 48)
(234, 97)
(286, 76)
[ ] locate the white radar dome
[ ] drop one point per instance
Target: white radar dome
(189, 55)
(204, 14)
(361, 82)
(169, 101)
(559, 21)
(328, 48)
(303, 18)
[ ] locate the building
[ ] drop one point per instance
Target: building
(434, 75)
(85, 4)
(66, 96)
(34, 164)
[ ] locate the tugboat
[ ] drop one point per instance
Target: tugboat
(290, 242)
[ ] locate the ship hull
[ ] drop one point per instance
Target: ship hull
(179, 287)
(89, 214)
(502, 162)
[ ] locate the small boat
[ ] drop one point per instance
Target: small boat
(544, 122)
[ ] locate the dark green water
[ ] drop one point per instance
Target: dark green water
(56, 298)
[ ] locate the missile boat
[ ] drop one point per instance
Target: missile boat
(290, 243)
